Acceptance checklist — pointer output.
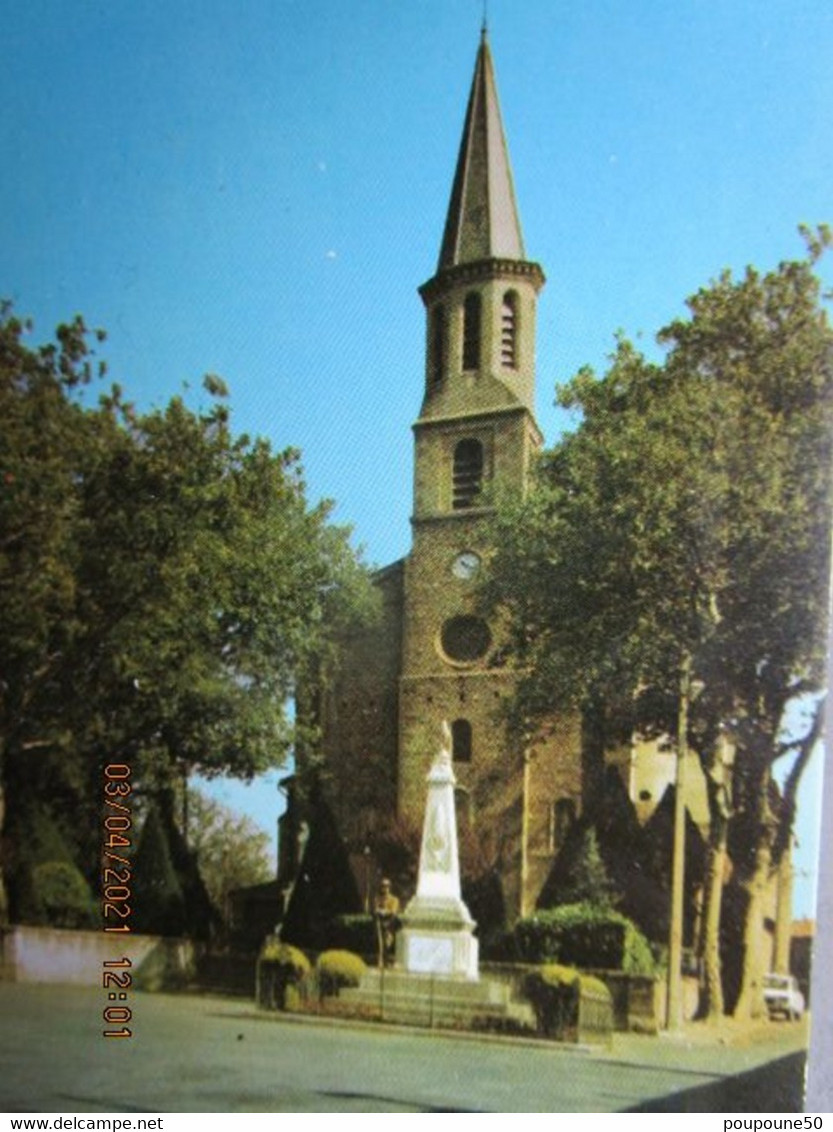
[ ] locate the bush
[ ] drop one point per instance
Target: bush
(285, 957)
(337, 969)
(58, 895)
(556, 975)
(281, 972)
(583, 935)
(555, 992)
(46, 885)
(158, 898)
(356, 933)
(554, 999)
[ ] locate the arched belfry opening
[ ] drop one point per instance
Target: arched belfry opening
(467, 474)
(472, 330)
(432, 657)
(509, 330)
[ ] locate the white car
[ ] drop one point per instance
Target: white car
(782, 996)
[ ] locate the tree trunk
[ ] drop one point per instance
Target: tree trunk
(711, 1002)
(4, 896)
(675, 1010)
(783, 915)
(718, 787)
(183, 771)
(750, 1002)
(593, 742)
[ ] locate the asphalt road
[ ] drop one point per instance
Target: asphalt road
(194, 1054)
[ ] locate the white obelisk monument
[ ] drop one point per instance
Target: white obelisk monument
(436, 936)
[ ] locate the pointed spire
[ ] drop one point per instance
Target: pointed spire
(482, 221)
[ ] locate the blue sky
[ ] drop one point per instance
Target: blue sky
(257, 189)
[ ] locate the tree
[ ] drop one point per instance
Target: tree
(49, 888)
(40, 445)
(765, 344)
(668, 571)
(161, 906)
(161, 583)
(584, 878)
(230, 850)
(324, 886)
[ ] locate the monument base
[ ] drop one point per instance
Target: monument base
(437, 1000)
(436, 939)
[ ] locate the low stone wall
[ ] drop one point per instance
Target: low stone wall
(638, 1000)
(56, 955)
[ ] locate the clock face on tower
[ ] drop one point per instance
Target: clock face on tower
(466, 565)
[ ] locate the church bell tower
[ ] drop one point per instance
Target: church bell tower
(433, 656)
(476, 432)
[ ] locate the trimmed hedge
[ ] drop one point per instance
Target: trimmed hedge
(281, 972)
(337, 969)
(285, 957)
(557, 975)
(46, 887)
(583, 935)
(356, 933)
(59, 895)
(557, 993)
(158, 897)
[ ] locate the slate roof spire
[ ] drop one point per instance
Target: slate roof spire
(482, 221)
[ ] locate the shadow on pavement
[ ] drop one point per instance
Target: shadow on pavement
(777, 1086)
(368, 1097)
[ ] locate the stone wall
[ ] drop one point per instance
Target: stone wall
(639, 1001)
(57, 955)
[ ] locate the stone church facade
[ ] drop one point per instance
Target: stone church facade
(375, 713)
(432, 657)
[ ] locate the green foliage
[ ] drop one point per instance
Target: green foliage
(586, 879)
(355, 933)
(687, 516)
(201, 916)
(557, 975)
(37, 837)
(584, 936)
(230, 849)
(324, 887)
(158, 899)
(162, 583)
(282, 974)
(287, 959)
(395, 844)
(337, 969)
(57, 895)
(672, 560)
(555, 991)
(49, 888)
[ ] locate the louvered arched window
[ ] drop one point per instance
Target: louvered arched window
(468, 473)
(471, 331)
(509, 330)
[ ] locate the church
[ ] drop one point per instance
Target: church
(432, 656)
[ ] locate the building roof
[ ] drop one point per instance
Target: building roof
(482, 221)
